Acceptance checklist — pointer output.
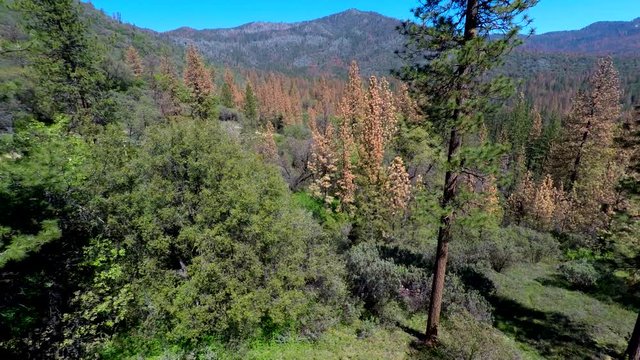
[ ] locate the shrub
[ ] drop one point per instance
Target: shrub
(227, 114)
(541, 246)
(374, 280)
(206, 241)
(504, 247)
(416, 292)
(465, 338)
(579, 273)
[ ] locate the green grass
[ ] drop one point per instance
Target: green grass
(340, 343)
(461, 337)
(534, 319)
(555, 321)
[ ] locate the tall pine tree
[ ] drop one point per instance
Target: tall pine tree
(453, 36)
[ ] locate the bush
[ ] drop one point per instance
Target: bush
(204, 240)
(416, 292)
(227, 114)
(579, 273)
(465, 338)
(383, 283)
(504, 247)
(374, 280)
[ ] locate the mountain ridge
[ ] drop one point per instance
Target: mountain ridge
(328, 44)
(317, 46)
(621, 38)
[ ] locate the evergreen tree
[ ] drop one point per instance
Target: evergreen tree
(589, 129)
(584, 158)
(250, 105)
(197, 78)
(133, 60)
(453, 38)
(228, 92)
(63, 60)
(168, 90)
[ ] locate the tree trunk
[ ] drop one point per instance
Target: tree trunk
(573, 177)
(633, 350)
(449, 195)
(444, 236)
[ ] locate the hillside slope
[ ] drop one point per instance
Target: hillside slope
(330, 43)
(325, 45)
(619, 38)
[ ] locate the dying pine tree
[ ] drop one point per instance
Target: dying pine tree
(134, 61)
(450, 49)
(198, 80)
(584, 158)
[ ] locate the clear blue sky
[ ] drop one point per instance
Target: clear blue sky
(162, 15)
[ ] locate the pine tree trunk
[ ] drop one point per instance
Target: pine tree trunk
(448, 196)
(442, 254)
(633, 350)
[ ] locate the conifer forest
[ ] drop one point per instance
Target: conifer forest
(450, 186)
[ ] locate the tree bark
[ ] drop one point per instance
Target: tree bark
(444, 236)
(449, 195)
(633, 350)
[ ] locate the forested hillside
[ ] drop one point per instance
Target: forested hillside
(551, 67)
(315, 47)
(620, 38)
(274, 192)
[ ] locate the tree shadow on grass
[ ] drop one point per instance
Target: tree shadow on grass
(610, 289)
(552, 334)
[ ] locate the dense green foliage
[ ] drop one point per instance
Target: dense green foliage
(147, 214)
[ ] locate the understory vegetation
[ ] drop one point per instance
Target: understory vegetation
(154, 205)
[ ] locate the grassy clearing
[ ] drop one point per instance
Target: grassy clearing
(557, 322)
(340, 343)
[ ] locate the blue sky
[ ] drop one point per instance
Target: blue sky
(162, 15)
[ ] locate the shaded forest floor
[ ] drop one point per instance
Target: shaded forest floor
(535, 317)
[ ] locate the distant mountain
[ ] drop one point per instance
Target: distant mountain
(325, 45)
(621, 38)
(328, 44)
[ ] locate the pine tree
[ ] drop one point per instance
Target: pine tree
(250, 105)
(543, 207)
(453, 38)
(65, 63)
(589, 127)
(372, 138)
(229, 94)
(352, 107)
(346, 183)
(536, 126)
(197, 78)
(398, 186)
(267, 147)
(133, 60)
(585, 157)
(323, 163)
(520, 201)
(167, 89)
(491, 199)
(407, 105)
